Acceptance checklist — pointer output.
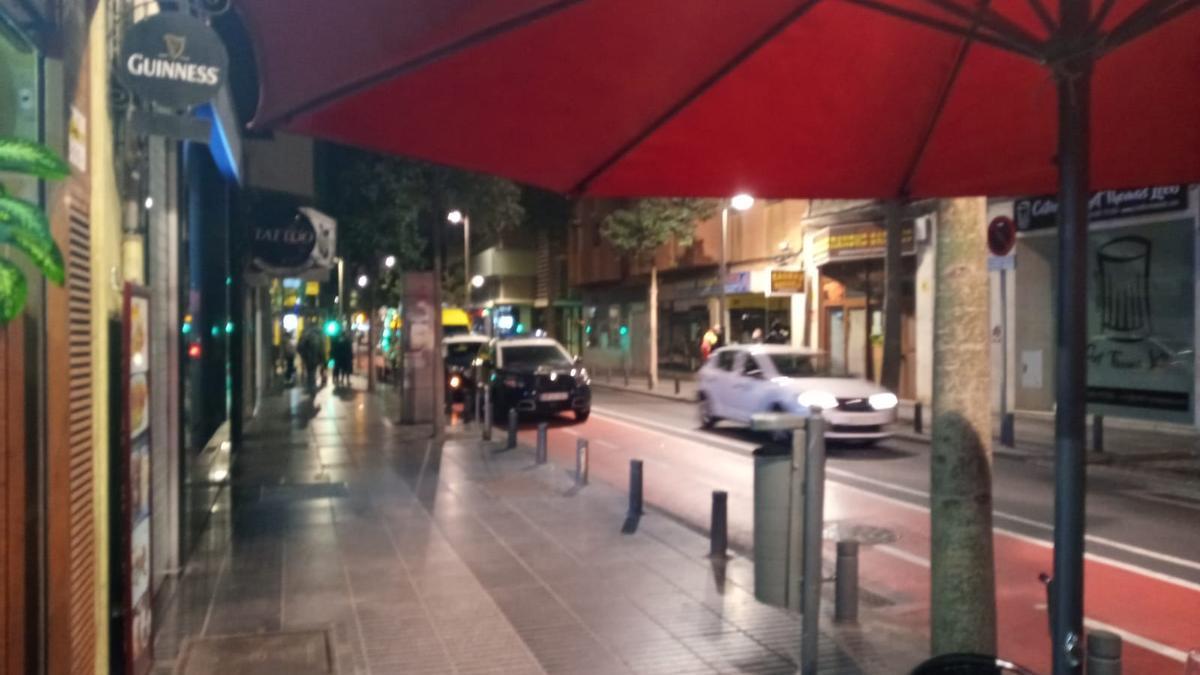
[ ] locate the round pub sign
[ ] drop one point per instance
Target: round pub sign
(173, 59)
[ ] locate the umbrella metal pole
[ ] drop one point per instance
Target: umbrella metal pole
(1074, 94)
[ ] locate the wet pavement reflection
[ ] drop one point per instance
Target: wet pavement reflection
(421, 558)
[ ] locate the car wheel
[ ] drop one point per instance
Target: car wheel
(581, 415)
(707, 419)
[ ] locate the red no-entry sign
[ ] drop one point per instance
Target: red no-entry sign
(1001, 236)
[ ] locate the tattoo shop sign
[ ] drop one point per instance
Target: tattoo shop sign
(172, 59)
(1038, 213)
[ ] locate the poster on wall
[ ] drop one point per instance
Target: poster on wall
(136, 467)
(419, 339)
(1140, 352)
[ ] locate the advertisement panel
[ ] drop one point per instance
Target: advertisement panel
(136, 466)
(1039, 213)
(1140, 322)
(858, 241)
(419, 339)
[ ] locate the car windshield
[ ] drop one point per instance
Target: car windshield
(531, 356)
(462, 353)
(804, 365)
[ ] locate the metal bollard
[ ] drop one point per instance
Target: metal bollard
(814, 525)
(487, 413)
(1103, 653)
(512, 429)
(649, 382)
(627, 377)
(543, 431)
(677, 386)
(845, 598)
(1008, 430)
(635, 487)
(918, 418)
(581, 462)
(1098, 433)
(719, 531)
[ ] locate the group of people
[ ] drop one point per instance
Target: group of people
(316, 355)
(714, 338)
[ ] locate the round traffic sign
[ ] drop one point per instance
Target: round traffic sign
(1001, 235)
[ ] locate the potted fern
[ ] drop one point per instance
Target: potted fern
(23, 226)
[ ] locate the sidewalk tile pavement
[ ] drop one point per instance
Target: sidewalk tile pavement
(465, 559)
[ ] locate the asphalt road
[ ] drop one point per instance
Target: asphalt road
(1143, 571)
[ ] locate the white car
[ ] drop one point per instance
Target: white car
(741, 380)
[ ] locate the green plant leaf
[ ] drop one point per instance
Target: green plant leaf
(33, 159)
(13, 290)
(24, 226)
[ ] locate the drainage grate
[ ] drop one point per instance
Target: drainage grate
(293, 653)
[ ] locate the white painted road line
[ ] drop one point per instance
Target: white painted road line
(741, 446)
(1132, 638)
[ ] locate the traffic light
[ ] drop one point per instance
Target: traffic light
(624, 330)
(332, 328)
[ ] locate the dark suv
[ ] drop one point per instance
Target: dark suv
(539, 376)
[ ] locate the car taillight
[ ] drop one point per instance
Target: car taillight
(512, 382)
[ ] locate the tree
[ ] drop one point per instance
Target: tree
(644, 226)
(893, 264)
(963, 582)
(396, 206)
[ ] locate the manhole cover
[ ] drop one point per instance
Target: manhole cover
(294, 653)
(864, 534)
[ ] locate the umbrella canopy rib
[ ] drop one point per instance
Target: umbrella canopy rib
(466, 42)
(1043, 15)
(943, 96)
(1150, 16)
(952, 28)
(985, 16)
(696, 92)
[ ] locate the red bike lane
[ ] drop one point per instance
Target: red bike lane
(1155, 613)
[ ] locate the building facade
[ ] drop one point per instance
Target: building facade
(1142, 304)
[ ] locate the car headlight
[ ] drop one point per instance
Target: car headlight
(884, 401)
(581, 376)
(818, 399)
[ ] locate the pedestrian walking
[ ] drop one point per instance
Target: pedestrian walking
(706, 344)
(343, 360)
(312, 355)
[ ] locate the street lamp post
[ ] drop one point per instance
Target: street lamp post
(363, 281)
(456, 217)
(741, 203)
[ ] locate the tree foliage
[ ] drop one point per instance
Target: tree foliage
(644, 225)
(391, 205)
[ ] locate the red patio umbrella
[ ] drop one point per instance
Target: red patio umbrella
(782, 98)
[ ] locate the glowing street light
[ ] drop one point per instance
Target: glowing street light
(363, 281)
(742, 202)
(455, 217)
(389, 262)
(477, 281)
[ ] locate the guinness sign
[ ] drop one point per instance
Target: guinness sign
(173, 59)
